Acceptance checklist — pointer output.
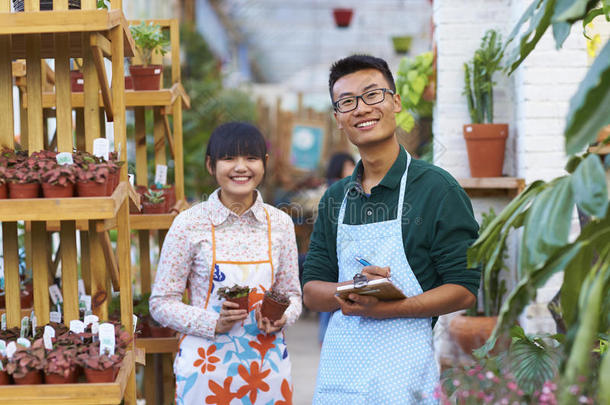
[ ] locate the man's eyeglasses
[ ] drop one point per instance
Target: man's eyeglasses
(371, 97)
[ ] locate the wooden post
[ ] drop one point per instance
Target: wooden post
(98, 272)
(85, 260)
(159, 136)
(7, 131)
(145, 279)
(40, 272)
(178, 151)
(141, 163)
(91, 88)
(62, 86)
(34, 91)
(69, 270)
(10, 250)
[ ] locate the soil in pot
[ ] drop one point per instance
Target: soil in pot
(272, 309)
(60, 379)
(101, 376)
(5, 379)
(32, 377)
(146, 77)
(56, 191)
(3, 191)
(485, 144)
(27, 190)
(91, 189)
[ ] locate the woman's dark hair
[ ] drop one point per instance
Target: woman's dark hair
(335, 166)
(236, 139)
(356, 63)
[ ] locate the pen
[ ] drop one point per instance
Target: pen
(362, 261)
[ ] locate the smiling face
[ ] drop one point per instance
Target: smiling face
(238, 177)
(367, 124)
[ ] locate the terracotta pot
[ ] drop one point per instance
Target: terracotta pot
(272, 309)
(25, 299)
(5, 379)
(241, 301)
(3, 191)
(486, 144)
(101, 376)
(60, 379)
(471, 332)
(91, 189)
(56, 191)
(161, 331)
(149, 208)
(146, 77)
(28, 190)
(113, 181)
(170, 196)
(343, 17)
(128, 83)
(32, 377)
(77, 81)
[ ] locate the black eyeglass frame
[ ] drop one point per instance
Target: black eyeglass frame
(361, 97)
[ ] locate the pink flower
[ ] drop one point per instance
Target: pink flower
(574, 389)
(480, 376)
(512, 386)
(489, 375)
(456, 383)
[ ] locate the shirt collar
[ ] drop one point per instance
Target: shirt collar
(391, 180)
(219, 213)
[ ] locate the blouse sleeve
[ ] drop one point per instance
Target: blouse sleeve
(166, 305)
(287, 271)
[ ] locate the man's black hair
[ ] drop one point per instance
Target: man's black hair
(355, 63)
(236, 139)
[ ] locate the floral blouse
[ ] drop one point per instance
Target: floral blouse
(186, 256)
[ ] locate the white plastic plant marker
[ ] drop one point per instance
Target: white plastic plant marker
(49, 333)
(101, 147)
(24, 342)
(90, 319)
(2, 348)
(77, 326)
(4, 321)
(107, 341)
(81, 287)
(55, 294)
(161, 174)
(64, 158)
(135, 322)
(11, 348)
(55, 316)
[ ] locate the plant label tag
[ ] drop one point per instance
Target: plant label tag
(101, 148)
(55, 316)
(107, 339)
(161, 174)
(55, 294)
(24, 342)
(2, 348)
(77, 326)
(49, 333)
(132, 179)
(135, 322)
(81, 287)
(90, 319)
(34, 324)
(25, 326)
(85, 303)
(95, 328)
(4, 321)
(80, 81)
(64, 158)
(157, 71)
(11, 348)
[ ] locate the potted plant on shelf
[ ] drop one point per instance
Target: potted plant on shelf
(154, 202)
(23, 181)
(236, 294)
(58, 182)
(27, 364)
(274, 305)
(169, 192)
(4, 377)
(92, 179)
(3, 188)
(61, 366)
(485, 141)
(99, 368)
(402, 43)
(149, 39)
(473, 328)
(343, 17)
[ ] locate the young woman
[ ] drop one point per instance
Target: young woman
(232, 238)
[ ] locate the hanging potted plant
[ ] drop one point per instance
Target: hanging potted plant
(274, 305)
(402, 43)
(149, 39)
(343, 17)
(485, 141)
(58, 182)
(27, 364)
(236, 294)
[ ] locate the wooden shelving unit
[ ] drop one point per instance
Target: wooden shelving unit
(63, 34)
(158, 345)
(492, 186)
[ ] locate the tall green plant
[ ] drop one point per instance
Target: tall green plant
(149, 39)
(544, 211)
(478, 77)
(412, 77)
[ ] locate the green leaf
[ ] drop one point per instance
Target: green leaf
(589, 186)
(588, 18)
(604, 377)
(532, 361)
(590, 107)
(547, 225)
(570, 10)
(561, 30)
(405, 120)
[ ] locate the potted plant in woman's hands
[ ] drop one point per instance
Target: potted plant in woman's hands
(236, 294)
(274, 305)
(149, 39)
(485, 141)
(27, 363)
(58, 182)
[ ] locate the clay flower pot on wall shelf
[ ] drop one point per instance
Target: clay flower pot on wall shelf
(486, 144)
(343, 17)
(60, 379)
(91, 189)
(57, 191)
(402, 44)
(146, 77)
(32, 377)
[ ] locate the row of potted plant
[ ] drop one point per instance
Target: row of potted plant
(70, 354)
(23, 176)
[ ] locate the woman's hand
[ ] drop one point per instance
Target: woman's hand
(266, 325)
(229, 316)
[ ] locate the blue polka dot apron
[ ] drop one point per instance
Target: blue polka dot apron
(243, 366)
(371, 361)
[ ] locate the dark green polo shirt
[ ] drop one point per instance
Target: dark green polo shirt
(438, 224)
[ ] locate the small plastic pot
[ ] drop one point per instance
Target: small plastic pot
(5, 379)
(161, 331)
(32, 377)
(149, 208)
(272, 309)
(27, 190)
(3, 191)
(91, 189)
(60, 379)
(101, 376)
(56, 191)
(241, 301)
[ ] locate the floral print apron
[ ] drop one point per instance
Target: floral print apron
(243, 366)
(376, 361)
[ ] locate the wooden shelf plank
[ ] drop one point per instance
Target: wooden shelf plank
(492, 186)
(158, 345)
(82, 393)
(57, 209)
(151, 221)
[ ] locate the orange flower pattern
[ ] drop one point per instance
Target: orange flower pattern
(255, 297)
(210, 359)
(286, 394)
(222, 394)
(265, 342)
(254, 381)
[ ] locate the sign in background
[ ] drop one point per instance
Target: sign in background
(306, 146)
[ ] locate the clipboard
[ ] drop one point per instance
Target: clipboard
(382, 288)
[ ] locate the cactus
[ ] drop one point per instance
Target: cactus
(478, 72)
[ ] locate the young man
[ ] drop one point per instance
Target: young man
(410, 220)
